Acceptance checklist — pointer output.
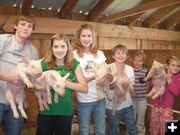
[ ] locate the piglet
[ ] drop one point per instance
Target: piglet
(102, 84)
(122, 84)
(158, 76)
(50, 79)
(28, 71)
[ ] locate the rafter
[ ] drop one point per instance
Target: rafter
(132, 19)
(158, 15)
(140, 9)
(171, 21)
(67, 8)
(98, 9)
(26, 6)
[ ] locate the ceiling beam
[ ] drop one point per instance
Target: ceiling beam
(140, 9)
(67, 8)
(26, 6)
(98, 9)
(158, 15)
(132, 19)
(171, 21)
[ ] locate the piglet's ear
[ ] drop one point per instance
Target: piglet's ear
(25, 60)
(66, 76)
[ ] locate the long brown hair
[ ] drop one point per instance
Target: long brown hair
(49, 57)
(79, 47)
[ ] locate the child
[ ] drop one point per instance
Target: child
(12, 48)
(88, 56)
(163, 105)
(140, 88)
(125, 109)
(58, 119)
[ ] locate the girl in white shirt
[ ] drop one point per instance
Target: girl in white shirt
(89, 104)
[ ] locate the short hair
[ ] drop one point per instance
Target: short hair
(172, 58)
(25, 17)
(120, 47)
(140, 54)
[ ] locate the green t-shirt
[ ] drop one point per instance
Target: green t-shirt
(65, 103)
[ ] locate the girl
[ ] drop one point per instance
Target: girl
(140, 88)
(58, 119)
(162, 106)
(88, 55)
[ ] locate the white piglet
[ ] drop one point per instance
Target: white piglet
(28, 71)
(50, 79)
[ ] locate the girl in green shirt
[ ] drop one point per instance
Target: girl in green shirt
(57, 120)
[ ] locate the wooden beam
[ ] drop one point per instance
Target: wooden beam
(26, 6)
(132, 19)
(171, 21)
(51, 26)
(98, 9)
(67, 8)
(140, 9)
(158, 15)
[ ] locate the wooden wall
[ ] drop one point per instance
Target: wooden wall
(157, 44)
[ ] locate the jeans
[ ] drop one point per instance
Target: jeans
(140, 111)
(98, 112)
(12, 125)
(127, 114)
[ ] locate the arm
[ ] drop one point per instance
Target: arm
(90, 78)
(81, 85)
(11, 77)
(174, 85)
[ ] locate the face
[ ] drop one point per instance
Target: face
(23, 29)
(173, 67)
(138, 63)
(59, 49)
(120, 56)
(86, 38)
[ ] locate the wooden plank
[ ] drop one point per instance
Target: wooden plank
(140, 9)
(98, 9)
(26, 6)
(67, 8)
(51, 26)
(158, 15)
(171, 21)
(132, 19)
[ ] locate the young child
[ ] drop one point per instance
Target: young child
(12, 48)
(163, 105)
(140, 88)
(89, 104)
(57, 120)
(125, 109)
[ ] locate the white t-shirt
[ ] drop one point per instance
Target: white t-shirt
(128, 70)
(88, 63)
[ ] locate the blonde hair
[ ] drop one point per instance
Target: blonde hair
(79, 46)
(140, 54)
(25, 17)
(172, 58)
(49, 57)
(120, 47)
